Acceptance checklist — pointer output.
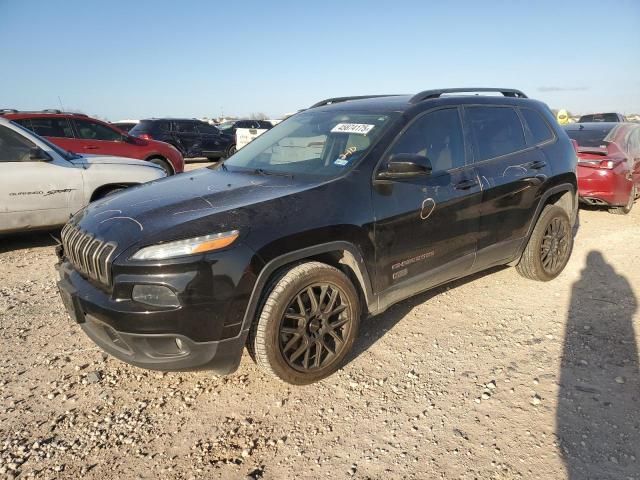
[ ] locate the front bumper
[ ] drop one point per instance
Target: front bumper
(202, 334)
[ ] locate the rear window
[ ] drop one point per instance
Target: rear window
(538, 127)
(496, 130)
(599, 117)
(589, 137)
(48, 127)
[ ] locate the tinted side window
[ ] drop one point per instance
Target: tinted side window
(437, 136)
(186, 127)
(539, 129)
(89, 130)
(496, 131)
(51, 127)
(13, 146)
(208, 129)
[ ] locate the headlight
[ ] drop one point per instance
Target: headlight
(190, 246)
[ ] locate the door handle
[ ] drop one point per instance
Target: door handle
(90, 147)
(465, 184)
(537, 165)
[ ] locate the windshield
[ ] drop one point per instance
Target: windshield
(66, 154)
(590, 137)
(313, 143)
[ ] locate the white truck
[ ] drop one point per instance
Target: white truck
(42, 185)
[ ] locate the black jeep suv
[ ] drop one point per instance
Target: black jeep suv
(193, 138)
(338, 212)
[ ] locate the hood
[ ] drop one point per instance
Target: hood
(188, 205)
(110, 160)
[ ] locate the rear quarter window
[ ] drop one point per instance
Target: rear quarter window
(538, 128)
(496, 131)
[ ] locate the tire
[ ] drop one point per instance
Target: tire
(230, 151)
(162, 164)
(623, 210)
(300, 335)
(549, 246)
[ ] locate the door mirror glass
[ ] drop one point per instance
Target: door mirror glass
(39, 155)
(405, 165)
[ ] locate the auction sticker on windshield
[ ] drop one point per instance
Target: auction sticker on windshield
(360, 128)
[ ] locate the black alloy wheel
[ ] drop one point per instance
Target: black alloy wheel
(314, 327)
(555, 246)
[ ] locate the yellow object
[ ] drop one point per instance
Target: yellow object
(563, 117)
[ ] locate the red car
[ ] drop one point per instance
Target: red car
(608, 163)
(81, 134)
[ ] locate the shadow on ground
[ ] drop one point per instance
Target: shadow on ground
(598, 416)
(28, 240)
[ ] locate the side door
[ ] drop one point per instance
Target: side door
(99, 139)
(212, 141)
(512, 169)
(35, 192)
(56, 129)
(425, 226)
(189, 137)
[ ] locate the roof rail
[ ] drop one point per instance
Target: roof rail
(429, 94)
(330, 101)
(47, 110)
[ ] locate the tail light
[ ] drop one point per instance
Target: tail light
(608, 164)
(605, 164)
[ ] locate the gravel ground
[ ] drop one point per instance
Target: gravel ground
(492, 377)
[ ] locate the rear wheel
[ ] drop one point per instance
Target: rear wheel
(230, 151)
(307, 324)
(549, 246)
(162, 163)
(623, 210)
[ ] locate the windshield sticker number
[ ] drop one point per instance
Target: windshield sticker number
(359, 128)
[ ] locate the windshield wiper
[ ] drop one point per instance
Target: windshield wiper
(262, 171)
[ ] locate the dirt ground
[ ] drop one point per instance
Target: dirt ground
(492, 377)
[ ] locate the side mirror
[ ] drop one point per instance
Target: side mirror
(39, 155)
(405, 165)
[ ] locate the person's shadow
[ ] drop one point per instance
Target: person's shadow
(598, 419)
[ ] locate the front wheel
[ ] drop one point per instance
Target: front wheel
(623, 210)
(308, 323)
(549, 246)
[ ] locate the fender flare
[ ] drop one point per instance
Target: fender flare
(563, 187)
(352, 257)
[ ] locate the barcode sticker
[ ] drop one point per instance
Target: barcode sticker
(359, 128)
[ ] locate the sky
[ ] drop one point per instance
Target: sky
(136, 59)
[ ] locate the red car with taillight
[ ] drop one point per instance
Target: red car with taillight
(608, 164)
(85, 135)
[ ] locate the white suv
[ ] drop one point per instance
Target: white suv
(42, 185)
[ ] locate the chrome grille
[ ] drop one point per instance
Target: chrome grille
(89, 255)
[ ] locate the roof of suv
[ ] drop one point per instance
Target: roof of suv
(402, 103)
(12, 113)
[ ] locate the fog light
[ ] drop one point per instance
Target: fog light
(156, 295)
